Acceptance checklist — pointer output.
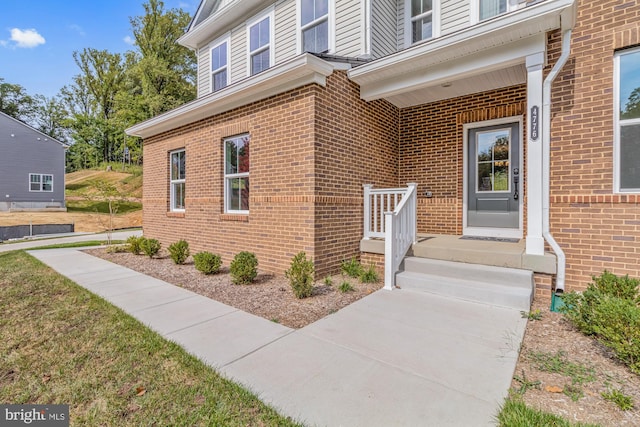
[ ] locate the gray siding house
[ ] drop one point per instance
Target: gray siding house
(31, 168)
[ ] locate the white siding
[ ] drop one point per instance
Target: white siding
(349, 28)
(204, 68)
(383, 28)
(400, 20)
(455, 15)
(285, 28)
(238, 53)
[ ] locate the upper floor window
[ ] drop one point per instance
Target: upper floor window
(627, 120)
(219, 66)
(421, 20)
(236, 174)
(40, 182)
(489, 8)
(261, 43)
(177, 179)
(314, 25)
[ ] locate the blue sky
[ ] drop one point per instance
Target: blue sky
(38, 37)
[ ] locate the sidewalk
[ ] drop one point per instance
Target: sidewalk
(393, 358)
(68, 238)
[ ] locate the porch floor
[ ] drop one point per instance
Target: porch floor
(485, 252)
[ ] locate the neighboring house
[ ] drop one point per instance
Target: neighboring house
(516, 119)
(31, 168)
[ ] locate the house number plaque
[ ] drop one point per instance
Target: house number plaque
(535, 123)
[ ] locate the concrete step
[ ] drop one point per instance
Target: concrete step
(506, 287)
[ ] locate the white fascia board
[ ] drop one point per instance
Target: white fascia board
(526, 22)
(301, 70)
(458, 68)
(220, 22)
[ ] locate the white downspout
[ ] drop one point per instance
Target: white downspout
(546, 159)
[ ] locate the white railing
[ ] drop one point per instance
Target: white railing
(391, 213)
(376, 203)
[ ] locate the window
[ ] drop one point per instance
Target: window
(236, 174)
(177, 179)
(421, 20)
(260, 41)
(490, 8)
(493, 159)
(627, 120)
(219, 61)
(40, 182)
(314, 25)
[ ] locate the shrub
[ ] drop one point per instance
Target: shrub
(243, 268)
(351, 268)
(116, 249)
(609, 310)
(134, 244)
(179, 251)
(207, 263)
(300, 275)
(150, 247)
(345, 287)
(328, 281)
(369, 275)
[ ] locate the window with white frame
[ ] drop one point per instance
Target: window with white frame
(260, 44)
(627, 120)
(314, 25)
(177, 179)
(420, 20)
(219, 66)
(40, 182)
(490, 8)
(236, 174)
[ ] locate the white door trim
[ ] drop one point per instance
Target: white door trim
(488, 231)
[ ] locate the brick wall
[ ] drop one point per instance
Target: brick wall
(596, 228)
(311, 150)
(431, 151)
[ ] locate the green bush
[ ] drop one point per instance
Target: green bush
(207, 263)
(179, 251)
(609, 310)
(351, 268)
(369, 275)
(300, 275)
(243, 268)
(134, 244)
(150, 247)
(346, 287)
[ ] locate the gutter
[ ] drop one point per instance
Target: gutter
(546, 159)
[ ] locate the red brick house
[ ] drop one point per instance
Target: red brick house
(515, 119)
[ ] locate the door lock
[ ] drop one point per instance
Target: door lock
(516, 179)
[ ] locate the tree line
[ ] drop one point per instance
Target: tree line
(113, 91)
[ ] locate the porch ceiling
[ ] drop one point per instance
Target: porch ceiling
(485, 56)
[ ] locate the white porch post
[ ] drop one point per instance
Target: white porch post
(535, 240)
(367, 210)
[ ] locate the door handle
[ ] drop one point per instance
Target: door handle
(516, 179)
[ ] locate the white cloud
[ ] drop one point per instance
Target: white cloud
(26, 38)
(78, 29)
(129, 40)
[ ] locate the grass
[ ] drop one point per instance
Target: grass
(515, 413)
(346, 287)
(94, 206)
(78, 244)
(621, 400)
(558, 363)
(61, 344)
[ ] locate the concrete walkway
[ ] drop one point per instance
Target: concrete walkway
(391, 359)
(44, 240)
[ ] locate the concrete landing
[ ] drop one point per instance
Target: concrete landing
(394, 358)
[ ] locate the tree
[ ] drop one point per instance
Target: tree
(632, 108)
(51, 117)
(15, 102)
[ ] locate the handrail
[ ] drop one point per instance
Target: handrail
(400, 233)
(377, 201)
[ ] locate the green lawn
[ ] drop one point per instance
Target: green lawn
(101, 206)
(515, 413)
(61, 344)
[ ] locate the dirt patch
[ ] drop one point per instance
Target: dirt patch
(91, 222)
(553, 333)
(270, 296)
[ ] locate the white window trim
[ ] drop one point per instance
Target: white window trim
(475, 10)
(233, 175)
(172, 182)
(332, 26)
(225, 39)
(41, 175)
(435, 22)
(268, 13)
(617, 122)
